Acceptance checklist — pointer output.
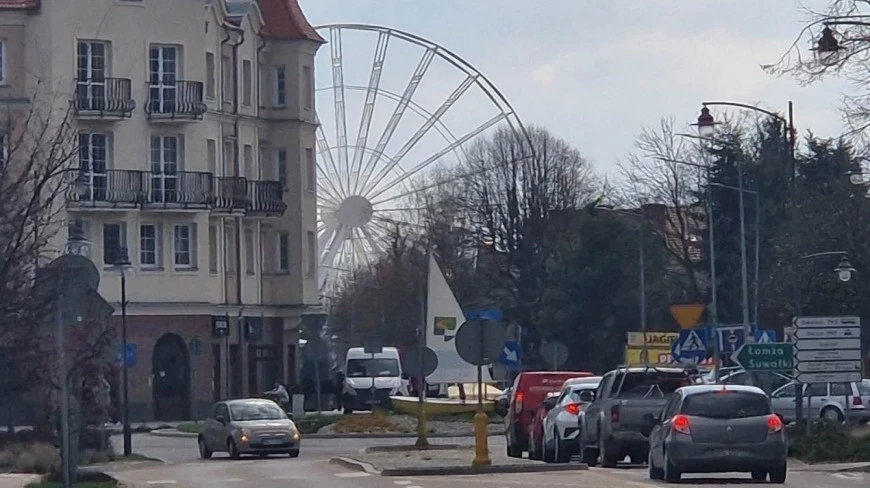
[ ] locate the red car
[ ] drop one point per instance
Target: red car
(537, 450)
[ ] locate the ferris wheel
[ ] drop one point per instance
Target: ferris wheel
(409, 104)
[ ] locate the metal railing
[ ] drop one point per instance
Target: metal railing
(176, 100)
(104, 96)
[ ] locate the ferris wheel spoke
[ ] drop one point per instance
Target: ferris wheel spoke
(423, 130)
(365, 122)
(328, 194)
(323, 148)
(338, 96)
(370, 238)
(335, 245)
(398, 113)
(359, 249)
(435, 157)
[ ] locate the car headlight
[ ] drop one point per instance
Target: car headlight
(244, 435)
(296, 435)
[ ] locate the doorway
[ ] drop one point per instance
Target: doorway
(171, 373)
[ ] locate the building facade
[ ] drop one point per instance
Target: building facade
(196, 158)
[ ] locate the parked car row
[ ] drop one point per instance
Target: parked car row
(666, 417)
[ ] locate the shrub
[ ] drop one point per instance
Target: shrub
(312, 424)
(38, 457)
(829, 442)
(377, 422)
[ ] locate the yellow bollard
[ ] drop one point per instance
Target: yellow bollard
(481, 448)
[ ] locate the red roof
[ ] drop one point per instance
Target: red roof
(284, 20)
(18, 4)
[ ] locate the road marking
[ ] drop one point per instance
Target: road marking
(352, 475)
(402, 482)
(234, 480)
(161, 482)
(290, 477)
(849, 476)
(415, 487)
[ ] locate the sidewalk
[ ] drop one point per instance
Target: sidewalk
(11, 480)
(797, 465)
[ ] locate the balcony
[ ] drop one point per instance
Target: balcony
(266, 198)
(130, 189)
(177, 101)
(232, 194)
(104, 98)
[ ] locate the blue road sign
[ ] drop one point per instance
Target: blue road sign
(494, 315)
(692, 345)
(131, 355)
(730, 338)
(511, 354)
(765, 336)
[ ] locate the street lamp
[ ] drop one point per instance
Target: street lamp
(121, 262)
(844, 270)
(706, 124)
(828, 48)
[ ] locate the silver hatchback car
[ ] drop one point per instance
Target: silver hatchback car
(248, 426)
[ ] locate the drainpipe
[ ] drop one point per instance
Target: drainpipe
(260, 49)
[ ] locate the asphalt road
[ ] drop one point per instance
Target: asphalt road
(183, 469)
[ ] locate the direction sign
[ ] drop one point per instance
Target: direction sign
(835, 355)
(829, 377)
(511, 354)
(129, 358)
(777, 356)
(826, 321)
(730, 338)
(494, 315)
(687, 315)
(817, 344)
(828, 366)
(828, 333)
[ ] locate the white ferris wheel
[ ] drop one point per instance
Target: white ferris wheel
(395, 106)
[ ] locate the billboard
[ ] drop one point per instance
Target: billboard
(658, 347)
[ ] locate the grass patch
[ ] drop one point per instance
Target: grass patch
(378, 422)
(189, 427)
(829, 442)
(310, 424)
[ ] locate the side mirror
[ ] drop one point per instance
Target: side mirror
(406, 376)
(220, 418)
(549, 404)
(587, 396)
(289, 415)
(501, 407)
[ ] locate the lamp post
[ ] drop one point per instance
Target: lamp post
(121, 262)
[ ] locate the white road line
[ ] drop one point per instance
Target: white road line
(402, 482)
(161, 482)
(234, 480)
(415, 487)
(352, 475)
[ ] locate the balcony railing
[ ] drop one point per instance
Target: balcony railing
(266, 197)
(176, 100)
(183, 189)
(104, 97)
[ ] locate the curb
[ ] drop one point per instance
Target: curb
(353, 464)
(397, 435)
(470, 470)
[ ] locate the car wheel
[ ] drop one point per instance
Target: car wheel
(512, 449)
(549, 453)
(777, 476)
(534, 449)
(832, 414)
(606, 458)
(204, 451)
(670, 472)
(232, 450)
(294, 454)
(759, 475)
(654, 472)
(562, 453)
(588, 455)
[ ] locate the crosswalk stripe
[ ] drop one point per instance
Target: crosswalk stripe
(352, 475)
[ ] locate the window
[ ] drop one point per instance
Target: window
(230, 249)
(247, 82)
(864, 387)
(91, 72)
(227, 78)
(212, 249)
(163, 84)
(93, 163)
(725, 404)
(210, 82)
(788, 391)
(211, 155)
(841, 389)
(817, 390)
(250, 170)
(249, 252)
(262, 82)
(114, 238)
(649, 385)
(307, 87)
(149, 245)
(312, 254)
(3, 80)
(281, 166)
(185, 245)
(310, 170)
(229, 159)
(166, 158)
(4, 151)
(279, 86)
(284, 252)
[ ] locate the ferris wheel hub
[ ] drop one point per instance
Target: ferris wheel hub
(354, 211)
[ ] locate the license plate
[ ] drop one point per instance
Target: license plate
(272, 442)
(729, 453)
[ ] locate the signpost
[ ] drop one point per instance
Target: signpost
(774, 356)
(195, 347)
(827, 350)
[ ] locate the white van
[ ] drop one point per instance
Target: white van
(363, 371)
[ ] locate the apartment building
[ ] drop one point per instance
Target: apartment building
(196, 134)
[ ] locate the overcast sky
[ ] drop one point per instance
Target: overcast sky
(596, 72)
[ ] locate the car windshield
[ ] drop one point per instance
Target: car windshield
(651, 384)
(864, 388)
(256, 411)
(377, 367)
(725, 404)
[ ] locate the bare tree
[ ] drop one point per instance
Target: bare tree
(667, 169)
(848, 22)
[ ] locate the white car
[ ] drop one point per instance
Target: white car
(829, 401)
(561, 426)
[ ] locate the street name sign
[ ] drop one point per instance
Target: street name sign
(827, 349)
(773, 356)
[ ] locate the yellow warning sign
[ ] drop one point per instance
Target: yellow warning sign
(687, 315)
(658, 347)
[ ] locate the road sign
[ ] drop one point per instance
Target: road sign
(765, 336)
(373, 345)
(691, 345)
(554, 353)
(480, 342)
(828, 366)
(131, 356)
(511, 354)
(826, 321)
(687, 315)
(413, 361)
(851, 377)
(765, 357)
(835, 355)
(827, 344)
(730, 338)
(494, 315)
(828, 333)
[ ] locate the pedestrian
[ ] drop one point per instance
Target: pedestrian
(280, 393)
